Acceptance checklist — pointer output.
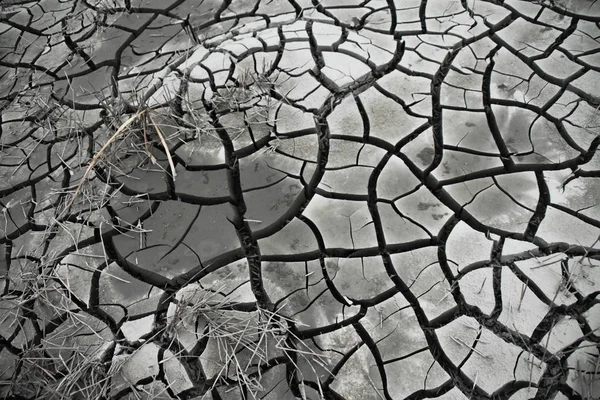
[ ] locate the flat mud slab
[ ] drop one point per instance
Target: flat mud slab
(296, 199)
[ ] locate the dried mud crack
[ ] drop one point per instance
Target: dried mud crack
(296, 199)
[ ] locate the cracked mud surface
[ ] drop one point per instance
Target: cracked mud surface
(372, 199)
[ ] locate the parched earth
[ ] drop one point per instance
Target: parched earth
(290, 199)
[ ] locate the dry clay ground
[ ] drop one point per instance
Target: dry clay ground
(300, 200)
